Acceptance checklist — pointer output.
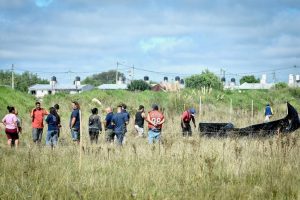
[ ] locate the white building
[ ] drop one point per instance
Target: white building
(263, 85)
(40, 90)
(113, 87)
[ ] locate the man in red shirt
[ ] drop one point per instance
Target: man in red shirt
(155, 121)
(186, 118)
(37, 116)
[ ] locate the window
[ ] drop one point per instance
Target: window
(33, 92)
(49, 92)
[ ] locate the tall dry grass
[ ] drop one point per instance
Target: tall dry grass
(178, 168)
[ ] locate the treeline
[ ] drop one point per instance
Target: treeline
(21, 81)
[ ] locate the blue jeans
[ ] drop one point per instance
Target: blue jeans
(75, 134)
(51, 138)
(37, 134)
(153, 136)
(120, 137)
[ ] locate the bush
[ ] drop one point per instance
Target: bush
(281, 85)
(249, 79)
(139, 85)
(206, 79)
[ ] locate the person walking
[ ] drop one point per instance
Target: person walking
(94, 126)
(268, 113)
(119, 120)
(155, 121)
(127, 116)
(139, 121)
(52, 133)
(11, 127)
(186, 117)
(75, 122)
(109, 127)
(37, 116)
(56, 106)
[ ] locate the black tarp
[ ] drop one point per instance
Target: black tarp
(287, 124)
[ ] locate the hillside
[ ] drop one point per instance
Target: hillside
(215, 105)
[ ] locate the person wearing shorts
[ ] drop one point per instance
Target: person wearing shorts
(37, 116)
(11, 127)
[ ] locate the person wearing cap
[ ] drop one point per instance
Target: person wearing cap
(139, 121)
(155, 121)
(268, 112)
(186, 118)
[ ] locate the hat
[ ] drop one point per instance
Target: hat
(192, 111)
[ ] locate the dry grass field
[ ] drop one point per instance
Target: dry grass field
(178, 168)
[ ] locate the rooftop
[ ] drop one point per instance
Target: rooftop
(113, 87)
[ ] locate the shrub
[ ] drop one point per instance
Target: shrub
(139, 85)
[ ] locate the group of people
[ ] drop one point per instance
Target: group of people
(114, 124)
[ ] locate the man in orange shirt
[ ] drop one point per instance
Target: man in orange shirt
(155, 121)
(37, 116)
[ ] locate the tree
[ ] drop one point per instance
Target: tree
(249, 79)
(139, 85)
(22, 81)
(281, 85)
(205, 79)
(104, 77)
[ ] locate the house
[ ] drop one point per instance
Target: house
(157, 88)
(40, 90)
(262, 85)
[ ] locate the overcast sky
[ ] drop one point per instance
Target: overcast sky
(172, 36)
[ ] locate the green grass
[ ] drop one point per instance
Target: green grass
(194, 168)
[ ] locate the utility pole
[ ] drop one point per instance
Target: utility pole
(117, 73)
(274, 76)
(132, 75)
(12, 77)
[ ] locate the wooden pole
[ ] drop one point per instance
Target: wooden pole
(200, 106)
(252, 112)
(80, 139)
(230, 111)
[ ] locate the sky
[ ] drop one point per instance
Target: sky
(69, 38)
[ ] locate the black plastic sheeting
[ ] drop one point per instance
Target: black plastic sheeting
(287, 124)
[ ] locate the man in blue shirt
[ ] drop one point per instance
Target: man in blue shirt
(124, 111)
(75, 122)
(119, 121)
(109, 128)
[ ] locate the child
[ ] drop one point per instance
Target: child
(94, 126)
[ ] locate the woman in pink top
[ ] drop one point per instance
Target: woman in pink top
(11, 127)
